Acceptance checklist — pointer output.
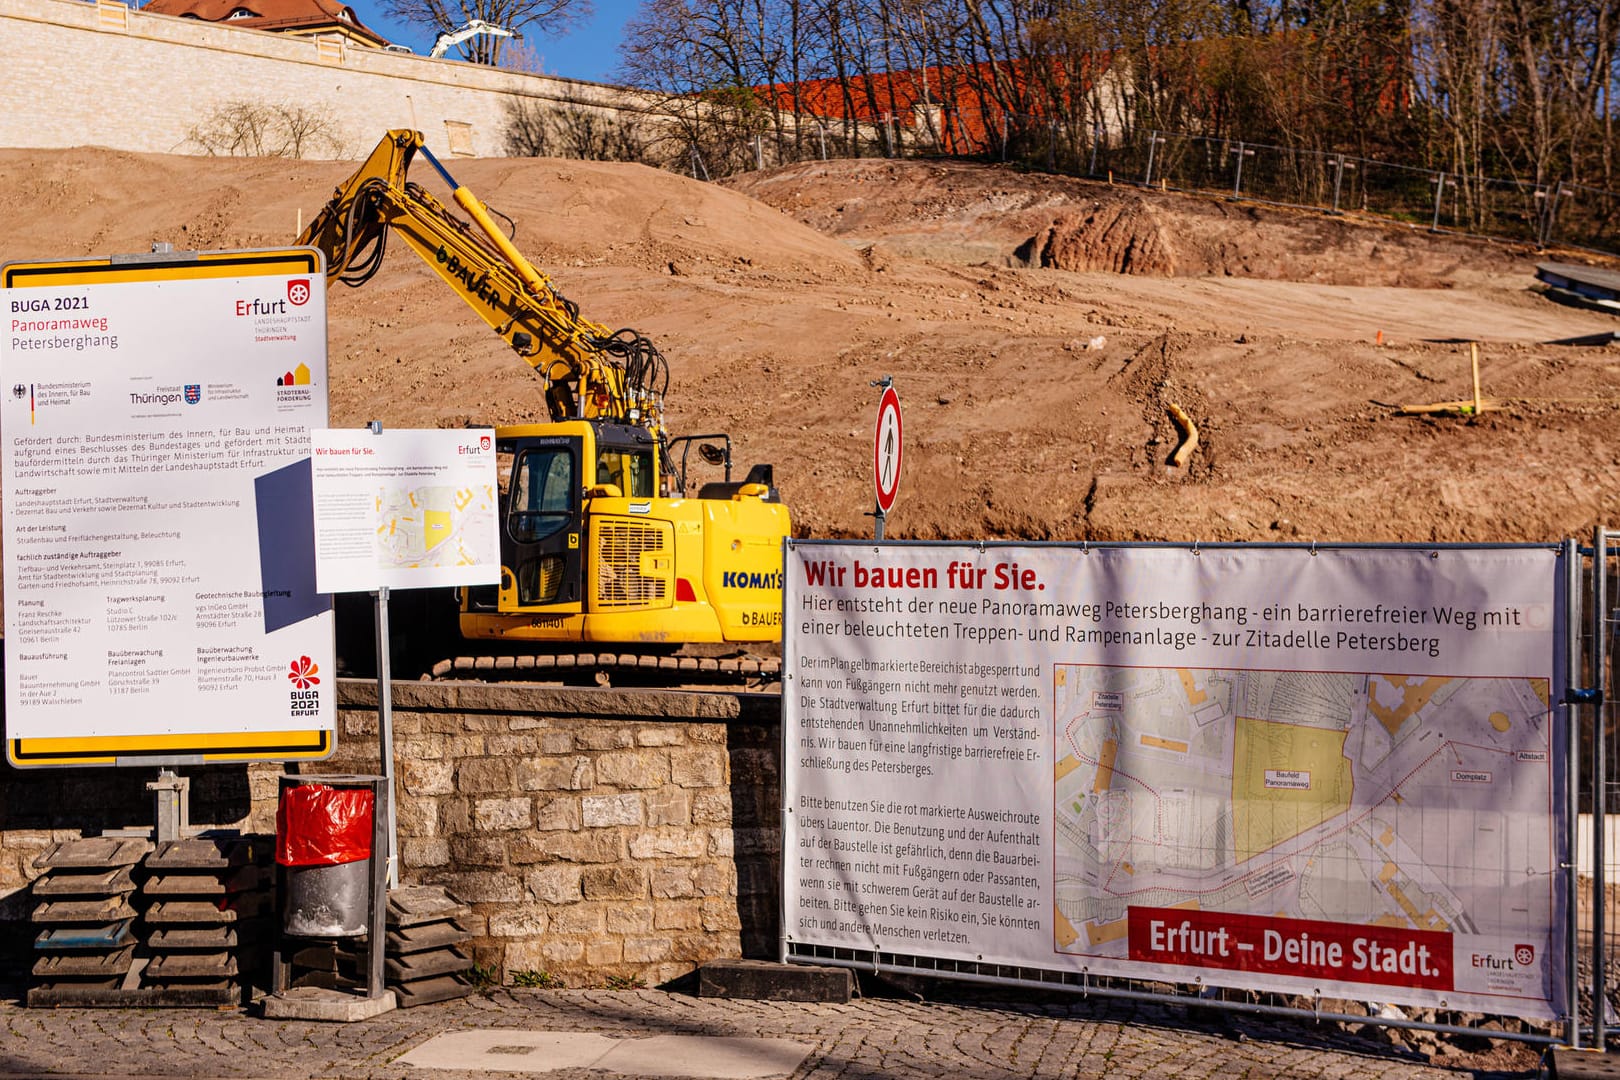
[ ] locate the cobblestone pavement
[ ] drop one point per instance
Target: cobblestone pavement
(874, 1038)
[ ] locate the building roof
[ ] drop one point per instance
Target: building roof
(283, 16)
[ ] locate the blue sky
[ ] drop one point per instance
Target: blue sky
(589, 51)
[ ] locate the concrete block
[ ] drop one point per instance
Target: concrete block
(761, 980)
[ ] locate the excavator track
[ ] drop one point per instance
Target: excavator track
(753, 673)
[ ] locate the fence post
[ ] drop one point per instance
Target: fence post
(1153, 141)
(1237, 175)
(1338, 179)
(1003, 136)
(1051, 146)
(821, 133)
(1600, 780)
(1439, 183)
(1551, 214)
(1096, 138)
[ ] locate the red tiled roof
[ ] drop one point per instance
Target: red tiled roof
(286, 16)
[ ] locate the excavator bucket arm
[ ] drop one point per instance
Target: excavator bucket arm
(589, 372)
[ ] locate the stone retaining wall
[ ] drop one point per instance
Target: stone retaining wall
(598, 834)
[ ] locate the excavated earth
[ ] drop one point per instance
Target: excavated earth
(1038, 330)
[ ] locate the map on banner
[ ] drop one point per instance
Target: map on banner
(1340, 798)
(433, 526)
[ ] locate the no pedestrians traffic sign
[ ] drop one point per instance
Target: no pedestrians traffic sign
(886, 450)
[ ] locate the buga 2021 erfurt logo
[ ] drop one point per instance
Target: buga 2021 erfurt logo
(304, 674)
(298, 292)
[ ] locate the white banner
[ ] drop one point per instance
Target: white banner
(155, 463)
(404, 509)
(1307, 772)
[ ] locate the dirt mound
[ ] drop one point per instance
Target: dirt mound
(1036, 399)
(1123, 237)
(994, 215)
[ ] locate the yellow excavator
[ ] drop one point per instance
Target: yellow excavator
(600, 540)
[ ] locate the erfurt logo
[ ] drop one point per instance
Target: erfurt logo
(304, 674)
(1523, 956)
(739, 579)
(298, 292)
(483, 443)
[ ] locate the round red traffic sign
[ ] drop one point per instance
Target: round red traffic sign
(886, 449)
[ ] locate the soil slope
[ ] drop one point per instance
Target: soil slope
(1037, 329)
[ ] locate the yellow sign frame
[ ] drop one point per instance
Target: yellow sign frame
(168, 749)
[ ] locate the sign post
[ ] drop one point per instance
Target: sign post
(402, 509)
(886, 452)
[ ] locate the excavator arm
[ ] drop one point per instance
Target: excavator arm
(588, 371)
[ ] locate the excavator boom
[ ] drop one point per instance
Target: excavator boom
(589, 371)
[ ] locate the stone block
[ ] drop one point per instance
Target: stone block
(715, 879)
(669, 806)
(499, 815)
(485, 776)
(582, 919)
(615, 883)
(417, 817)
(711, 808)
(555, 950)
(645, 950)
(701, 767)
(605, 811)
(522, 921)
(630, 919)
(678, 915)
(555, 814)
(672, 882)
(556, 774)
(555, 884)
(604, 951)
(669, 844)
(661, 735)
(481, 852)
(720, 913)
(512, 745)
(555, 741)
(590, 846)
(424, 852)
(714, 734)
(639, 770)
(481, 887)
(604, 738)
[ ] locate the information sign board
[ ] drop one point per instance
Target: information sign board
(404, 509)
(1330, 772)
(158, 564)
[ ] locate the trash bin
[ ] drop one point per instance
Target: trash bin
(324, 832)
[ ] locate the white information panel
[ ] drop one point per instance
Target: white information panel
(405, 509)
(1298, 771)
(158, 571)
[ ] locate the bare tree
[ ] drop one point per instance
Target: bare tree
(548, 17)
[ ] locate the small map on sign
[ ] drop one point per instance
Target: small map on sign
(434, 526)
(1344, 798)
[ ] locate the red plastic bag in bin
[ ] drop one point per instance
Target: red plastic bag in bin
(319, 825)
